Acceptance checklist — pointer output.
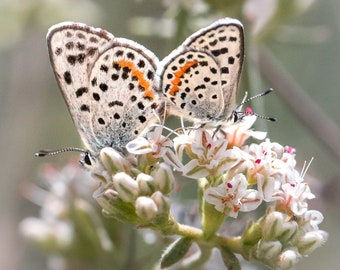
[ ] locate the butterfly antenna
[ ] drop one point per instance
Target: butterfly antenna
(236, 113)
(272, 119)
(254, 97)
(44, 153)
(86, 155)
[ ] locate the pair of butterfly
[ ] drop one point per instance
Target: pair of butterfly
(112, 85)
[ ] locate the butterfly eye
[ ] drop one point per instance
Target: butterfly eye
(87, 160)
(235, 117)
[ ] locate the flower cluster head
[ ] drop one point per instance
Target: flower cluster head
(233, 178)
(240, 177)
(135, 186)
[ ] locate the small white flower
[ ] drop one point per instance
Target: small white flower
(239, 132)
(295, 196)
(209, 156)
(310, 220)
(156, 145)
(245, 164)
(274, 165)
(272, 160)
(233, 196)
(269, 188)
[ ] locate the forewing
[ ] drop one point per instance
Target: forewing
(73, 49)
(122, 93)
(224, 40)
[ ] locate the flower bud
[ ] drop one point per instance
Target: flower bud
(268, 250)
(311, 241)
(275, 226)
(113, 161)
(145, 183)
(146, 208)
(162, 202)
(126, 187)
(102, 176)
(288, 259)
(164, 178)
(113, 206)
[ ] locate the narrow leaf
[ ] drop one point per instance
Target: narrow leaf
(175, 252)
(229, 259)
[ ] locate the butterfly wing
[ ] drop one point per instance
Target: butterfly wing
(190, 82)
(203, 92)
(73, 49)
(122, 98)
(108, 83)
(224, 39)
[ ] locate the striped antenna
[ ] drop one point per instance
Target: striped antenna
(86, 156)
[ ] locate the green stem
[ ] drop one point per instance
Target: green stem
(234, 244)
(172, 227)
(211, 218)
(188, 231)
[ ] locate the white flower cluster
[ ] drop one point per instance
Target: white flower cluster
(240, 177)
(135, 188)
(232, 177)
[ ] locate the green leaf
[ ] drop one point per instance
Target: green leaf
(211, 219)
(251, 236)
(229, 259)
(175, 252)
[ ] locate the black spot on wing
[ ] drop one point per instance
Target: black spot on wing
(80, 91)
(67, 77)
(85, 108)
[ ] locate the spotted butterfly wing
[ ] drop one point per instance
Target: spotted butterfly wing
(108, 83)
(122, 91)
(200, 78)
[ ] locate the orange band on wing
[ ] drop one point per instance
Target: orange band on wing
(178, 74)
(148, 92)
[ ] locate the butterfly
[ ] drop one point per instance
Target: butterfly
(108, 83)
(200, 78)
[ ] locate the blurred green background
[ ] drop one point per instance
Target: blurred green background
(292, 46)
